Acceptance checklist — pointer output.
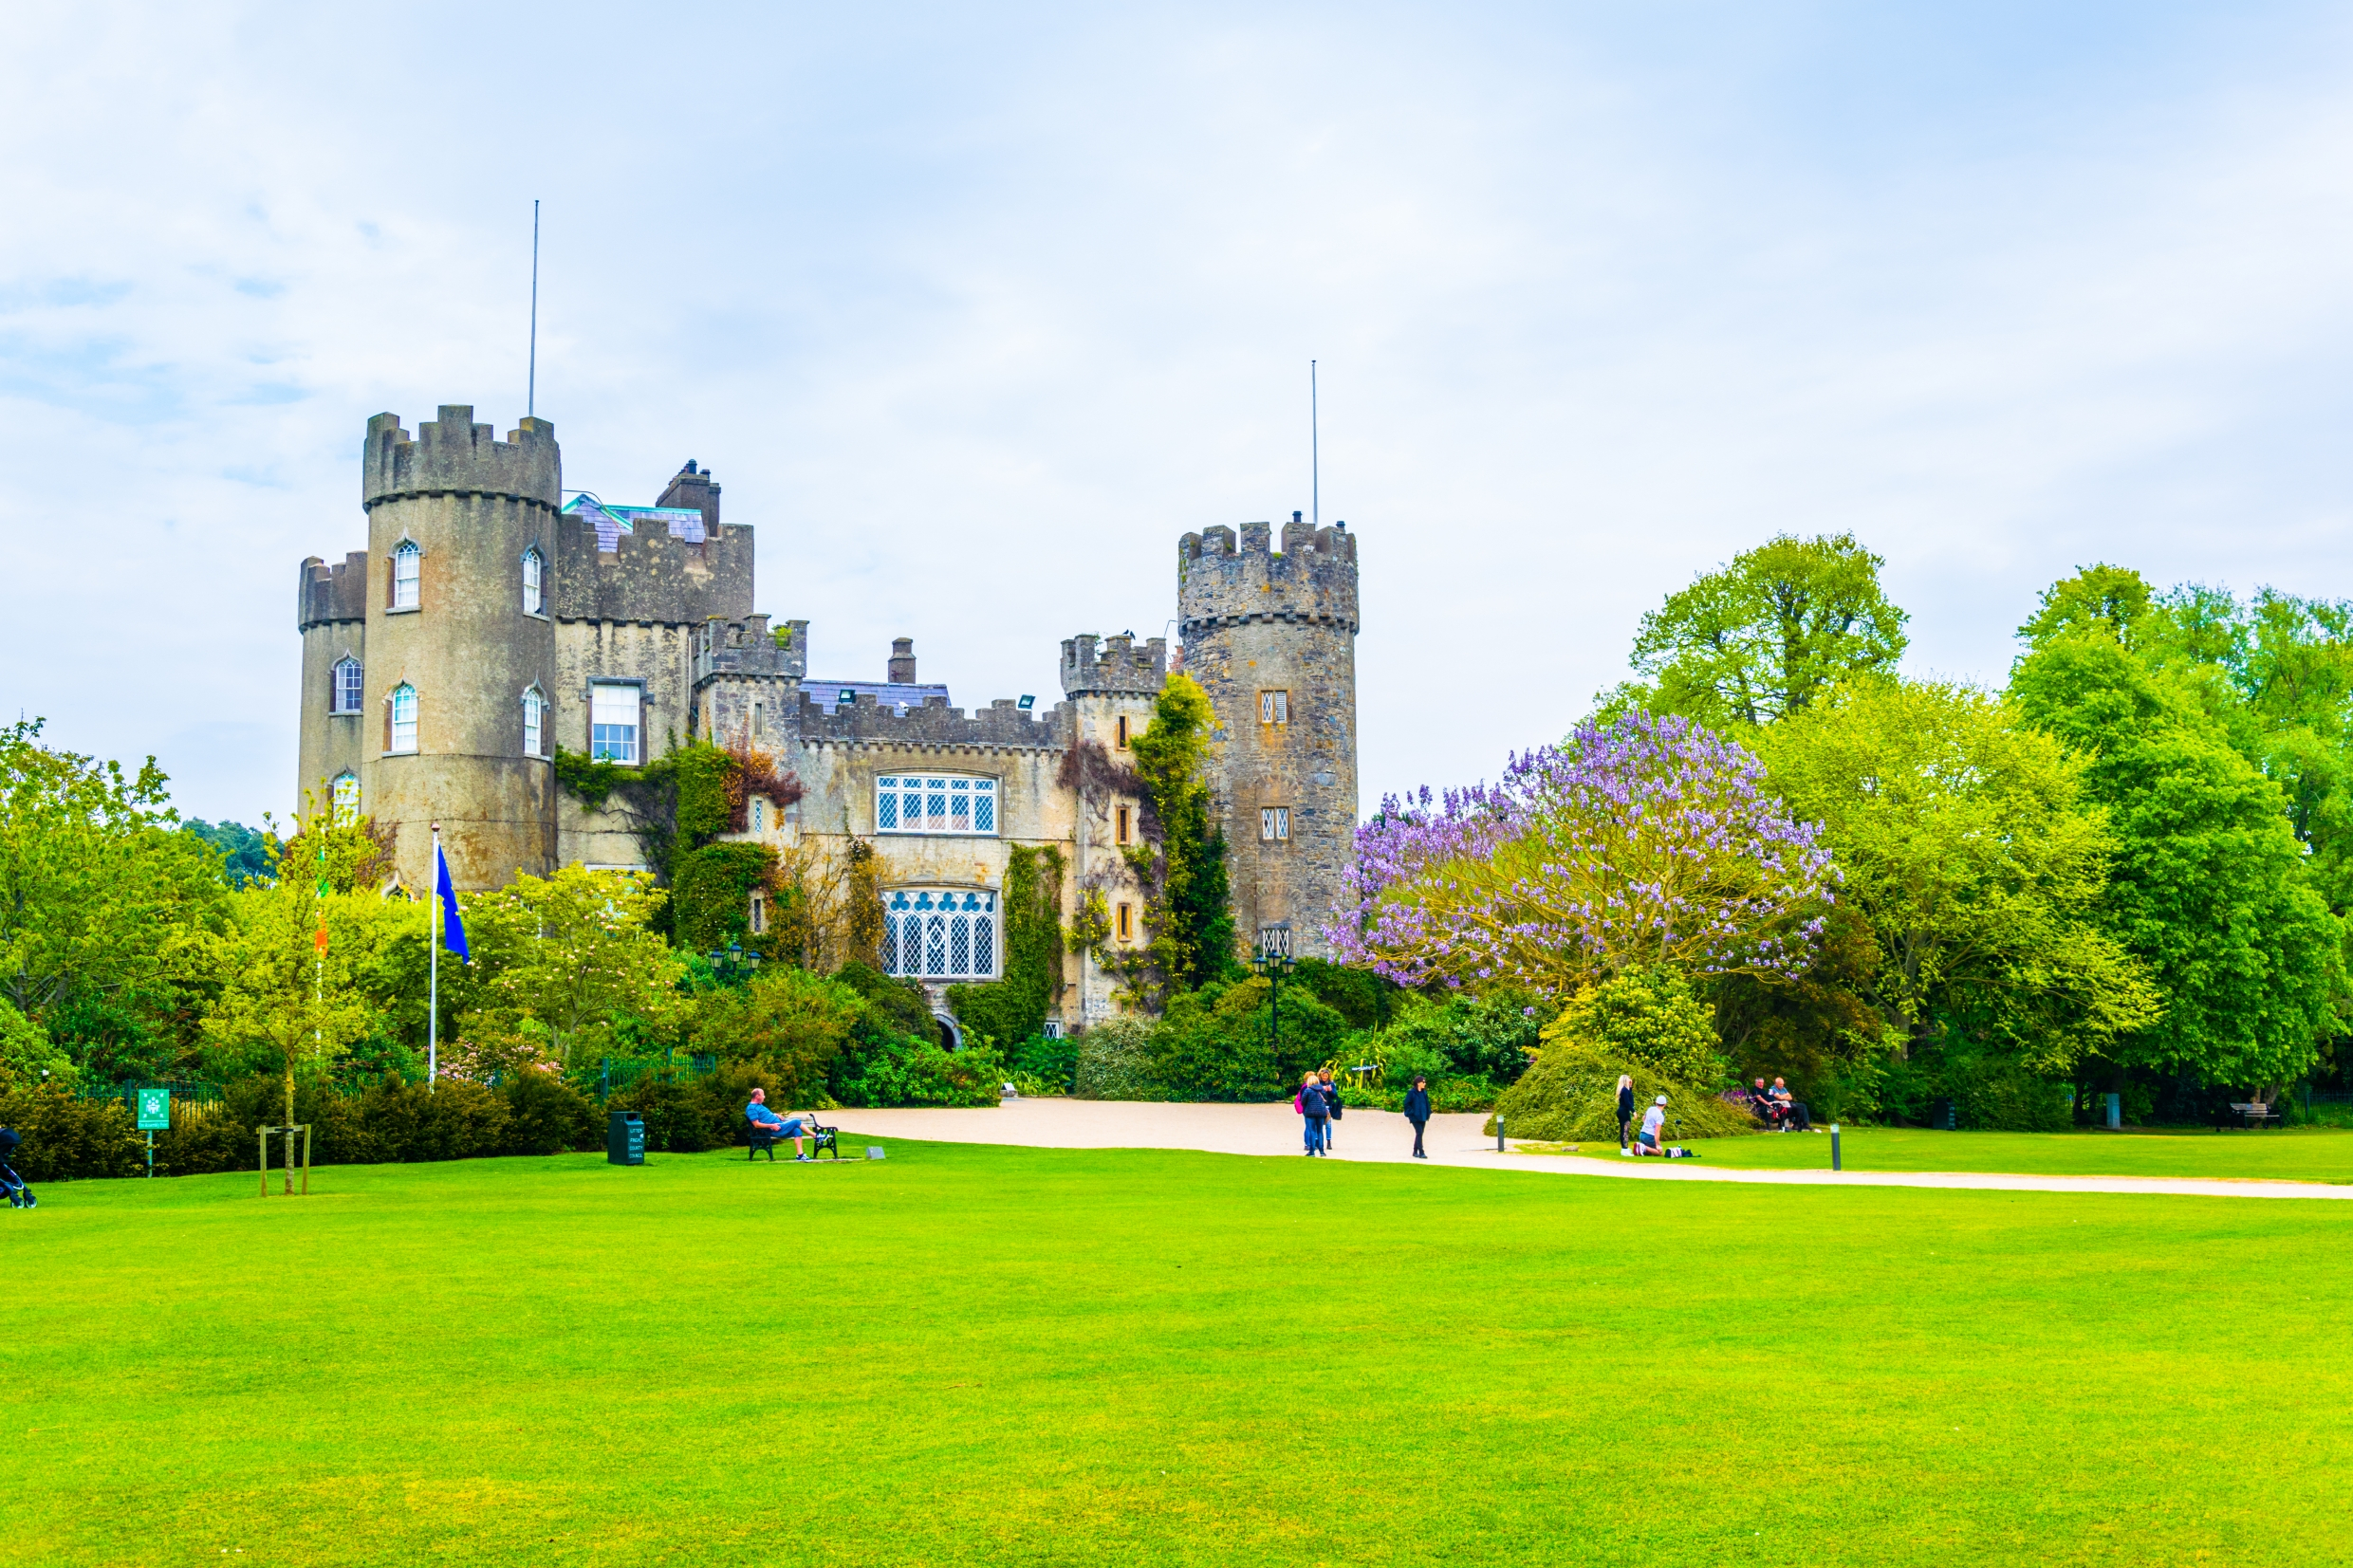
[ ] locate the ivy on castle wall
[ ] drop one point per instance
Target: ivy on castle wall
(1013, 1009)
(681, 800)
(711, 891)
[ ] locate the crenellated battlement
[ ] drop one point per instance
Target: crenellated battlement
(1091, 665)
(331, 593)
(748, 647)
(453, 455)
(867, 722)
(1225, 582)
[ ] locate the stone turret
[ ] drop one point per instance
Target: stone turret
(462, 511)
(1272, 638)
(1093, 665)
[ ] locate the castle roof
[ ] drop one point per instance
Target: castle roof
(612, 521)
(892, 695)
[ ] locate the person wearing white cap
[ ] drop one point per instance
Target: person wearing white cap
(1654, 1119)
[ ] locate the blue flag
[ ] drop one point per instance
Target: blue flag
(453, 930)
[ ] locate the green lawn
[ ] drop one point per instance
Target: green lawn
(2279, 1153)
(987, 1355)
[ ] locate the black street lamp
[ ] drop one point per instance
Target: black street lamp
(1273, 960)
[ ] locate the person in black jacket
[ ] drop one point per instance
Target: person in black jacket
(1331, 1104)
(1316, 1110)
(1418, 1111)
(1625, 1110)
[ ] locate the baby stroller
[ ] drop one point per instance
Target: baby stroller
(20, 1196)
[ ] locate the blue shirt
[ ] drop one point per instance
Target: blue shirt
(759, 1113)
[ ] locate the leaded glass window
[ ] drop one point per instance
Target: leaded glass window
(936, 803)
(940, 933)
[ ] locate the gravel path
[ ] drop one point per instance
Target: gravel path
(1384, 1136)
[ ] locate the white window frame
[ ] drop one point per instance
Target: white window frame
(941, 934)
(955, 805)
(1274, 825)
(758, 807)
(344, 798)
(535, 722)
(346, 696)
(407, 574)
(627, 749)
(1274, 706)
(393, 723)
(534, 588)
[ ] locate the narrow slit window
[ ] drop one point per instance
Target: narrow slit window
(534, 723)
(1275, 823)
(755, 721)
(1123, 732)
(1124, 825)
(405, 563)
(1127, 922)
(759, 914)
(759, 814)
(1274, 708)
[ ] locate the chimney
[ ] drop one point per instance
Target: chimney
(903, 661)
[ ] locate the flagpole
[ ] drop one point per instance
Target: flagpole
(433, 991)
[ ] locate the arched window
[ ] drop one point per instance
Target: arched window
(343, 689)
(940, 933)
(401, 719)
(344, 792)
(405, 560)
(532, 602)
(535, 722)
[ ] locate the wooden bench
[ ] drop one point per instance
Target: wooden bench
(2253, 1115)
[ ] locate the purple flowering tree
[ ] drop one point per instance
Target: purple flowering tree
(1647, 841)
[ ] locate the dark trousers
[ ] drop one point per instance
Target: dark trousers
(1799, 1116)
(1317, 1128)
(1418, 1137)
(1625, 1131)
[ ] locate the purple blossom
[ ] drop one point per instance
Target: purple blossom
(1643, 842)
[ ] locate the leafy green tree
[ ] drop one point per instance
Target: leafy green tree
(1765, 636)
(575, 951)
(27, 1057)
(2209, 888)
(246, 852)
(107, 911)
(1970, 851)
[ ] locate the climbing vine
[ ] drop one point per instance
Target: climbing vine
(678, 803)
(1013, 1009)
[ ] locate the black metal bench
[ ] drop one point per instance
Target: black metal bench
(763, 1135)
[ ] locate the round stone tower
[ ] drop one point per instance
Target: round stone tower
(1272, 638)
(459, 641)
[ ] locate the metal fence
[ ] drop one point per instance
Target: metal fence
(612, 1076)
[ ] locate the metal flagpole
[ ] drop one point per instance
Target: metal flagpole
(432, 969)
(1315, 457)
(530, 394)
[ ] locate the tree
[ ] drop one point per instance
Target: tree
(1647, 841)
(1181, 863)
(106, 909)
(576, 952)
(1970, 852)
(2210, 889)
(1765, 636)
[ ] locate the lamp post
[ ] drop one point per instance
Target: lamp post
(1273, 960)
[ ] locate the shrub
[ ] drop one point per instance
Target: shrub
(1050, 1061)
(1114, 1061)
(1569, 1094)
(453, 1120)
(26, 1053)
(1220, 1043)
(67, 1138)
(547, 1115)
(1489, 1037)
(907, 1072)
(794, 1023)
(679, 1118)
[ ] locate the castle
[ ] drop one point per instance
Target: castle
(490, 621)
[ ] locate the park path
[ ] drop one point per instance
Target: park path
(1384, 1137)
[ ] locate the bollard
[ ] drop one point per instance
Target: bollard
(1834, 1149)
(1500, 1147)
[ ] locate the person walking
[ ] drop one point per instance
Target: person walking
(1625, 1110)
(1310, 1106)
(1418, 1111)
(1331, 1103)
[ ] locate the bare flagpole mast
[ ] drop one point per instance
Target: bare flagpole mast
(1315, 457)
(530, 395)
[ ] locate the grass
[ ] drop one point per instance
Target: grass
(2278, 1154)
(1000, 1355)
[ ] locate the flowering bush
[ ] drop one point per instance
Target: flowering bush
(1646, 842)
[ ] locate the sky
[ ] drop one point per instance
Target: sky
(974, 311)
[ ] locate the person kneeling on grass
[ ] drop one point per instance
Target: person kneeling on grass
(1646, 1141)
(778, 1127)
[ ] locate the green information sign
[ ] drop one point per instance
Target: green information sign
(154, 1109)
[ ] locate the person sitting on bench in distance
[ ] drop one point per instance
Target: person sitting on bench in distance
(1792, 1108)
(1761, 1103)
(778, 1127)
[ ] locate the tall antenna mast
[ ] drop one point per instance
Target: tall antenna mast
(1315, 458)
(530, 395)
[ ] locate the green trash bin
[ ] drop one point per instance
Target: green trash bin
(624, 1139)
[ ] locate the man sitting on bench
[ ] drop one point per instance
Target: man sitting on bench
(1793, 1110)
(767, 1121)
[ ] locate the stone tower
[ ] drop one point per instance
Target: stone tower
(1272, 638)
(472, 641)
